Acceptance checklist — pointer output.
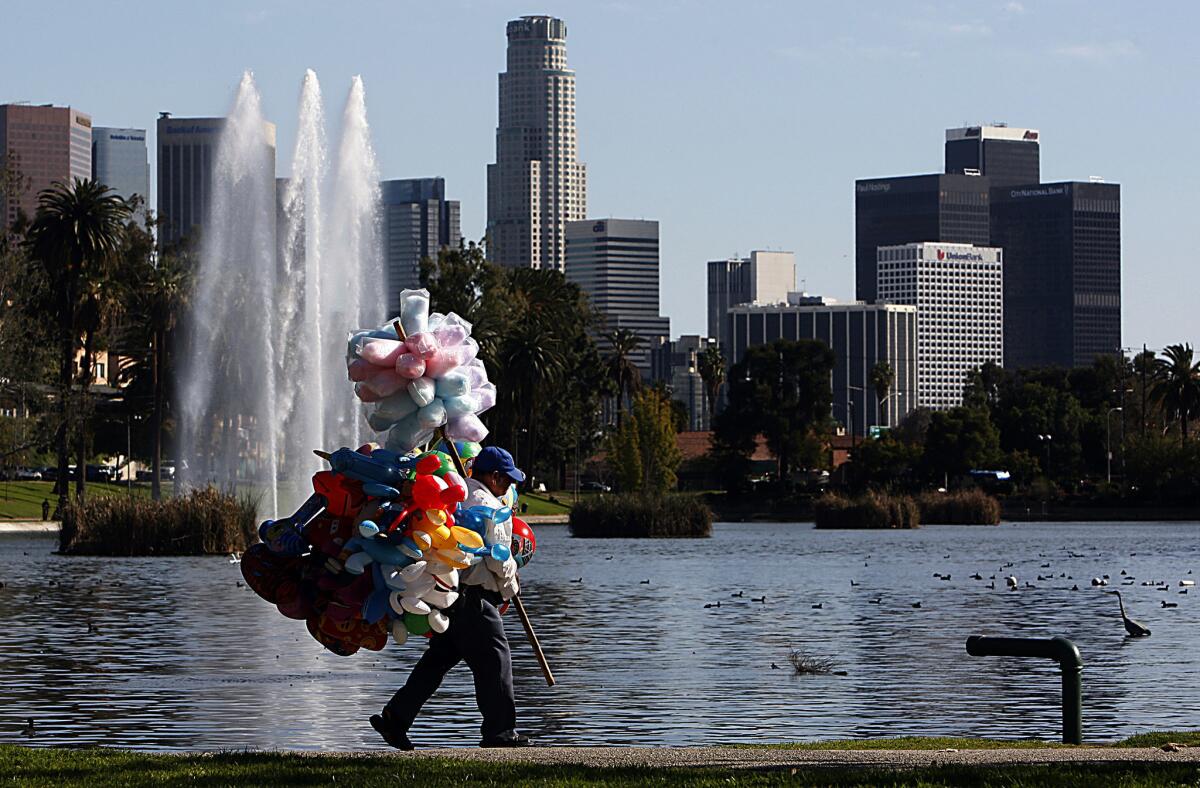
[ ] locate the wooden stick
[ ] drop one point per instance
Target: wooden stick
(399, 330)
(452, 450)
(324, 455)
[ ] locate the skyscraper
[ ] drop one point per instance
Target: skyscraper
(615, 261)
(43, 145)
(537, 184)
(1006, 156)
(911, 209)
(761, 278)
(119, 161)
(860, 335)
(1062, 272)
(418, 220)
(187, 151)
(957, 290)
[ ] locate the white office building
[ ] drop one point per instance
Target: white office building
(120, 162)
(958, 290)
(762, 278)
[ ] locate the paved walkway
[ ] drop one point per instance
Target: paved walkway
(27, 527)
(763, 758)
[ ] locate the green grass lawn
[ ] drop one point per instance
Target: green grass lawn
(23, 500)
(541, 503)
(62, 767)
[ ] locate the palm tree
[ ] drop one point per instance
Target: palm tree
(882, 377)
(75, 238)
(710, 363)
(161, 295)
(1177, 385)
(622, 343)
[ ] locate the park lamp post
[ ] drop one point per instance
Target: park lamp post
(884, 401)
(1108, 441)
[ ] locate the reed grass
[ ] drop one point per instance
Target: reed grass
(870, 510)
(200, 523)
(964, 507)
(674, 516)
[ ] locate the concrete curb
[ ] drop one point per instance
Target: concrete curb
(28, 527)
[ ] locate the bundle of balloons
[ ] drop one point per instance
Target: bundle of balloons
(418, 373)
(378, 548)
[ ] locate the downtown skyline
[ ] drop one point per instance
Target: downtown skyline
(755, 146)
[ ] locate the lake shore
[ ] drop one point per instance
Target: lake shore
(801, 765)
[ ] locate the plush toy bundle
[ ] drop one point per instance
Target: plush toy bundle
(378, 548)
(419, 373)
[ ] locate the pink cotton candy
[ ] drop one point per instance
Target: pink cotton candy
(381, 352)
(441, 362)
(449, 334)
(386, 382)
(486, 395)
(360, 370)
(410, 366)
(422, 345)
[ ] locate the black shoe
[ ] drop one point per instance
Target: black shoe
(507, 739)
(394, 737)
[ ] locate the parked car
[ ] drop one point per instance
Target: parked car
(28, 475)
(595, 487)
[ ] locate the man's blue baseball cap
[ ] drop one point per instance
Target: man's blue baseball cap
(493, 458)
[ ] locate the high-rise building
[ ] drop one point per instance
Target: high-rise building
(120, 162)
(860, 335)
(43, 145)
(418, 221)
(1062, 272)
(1005, 155)
(187, 152)
(615, 262)
(911, 209)
(958, 292)
(537, 184)
(677, 364)
(761, 278)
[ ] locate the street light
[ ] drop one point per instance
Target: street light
(885, 399)
(1108, 441)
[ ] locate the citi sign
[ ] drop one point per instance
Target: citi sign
(965, 257)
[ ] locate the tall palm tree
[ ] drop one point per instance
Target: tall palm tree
(75, 238)
(710, 364)
(622, 343)
(1177, 385)
(161, 295)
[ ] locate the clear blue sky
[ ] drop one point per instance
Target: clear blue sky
(737, 125)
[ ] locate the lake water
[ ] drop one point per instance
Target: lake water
(180, 657)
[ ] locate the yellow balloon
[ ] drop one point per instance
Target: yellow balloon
(466, 537)
(454, 557)
(435, 516)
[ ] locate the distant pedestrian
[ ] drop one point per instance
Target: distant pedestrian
(45, 510)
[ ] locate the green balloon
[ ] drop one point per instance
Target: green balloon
(416, 625)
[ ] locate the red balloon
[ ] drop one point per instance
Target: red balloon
(524, 543)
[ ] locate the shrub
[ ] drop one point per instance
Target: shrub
(965, 507)
(637, 516)
(872, 510)
(202, 522)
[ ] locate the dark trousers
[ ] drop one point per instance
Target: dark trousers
(476, 636)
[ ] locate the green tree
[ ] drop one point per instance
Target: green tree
(781, 391)
(710, 363)
(74, 238)
(1177, 385)
(646, 456)
(959, 440)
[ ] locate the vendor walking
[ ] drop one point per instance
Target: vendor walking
(477, 633)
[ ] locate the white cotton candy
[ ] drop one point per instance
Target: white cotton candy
(414, 311)
(432, 415)
(422, 391)
(397, 406)
(475, 373)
